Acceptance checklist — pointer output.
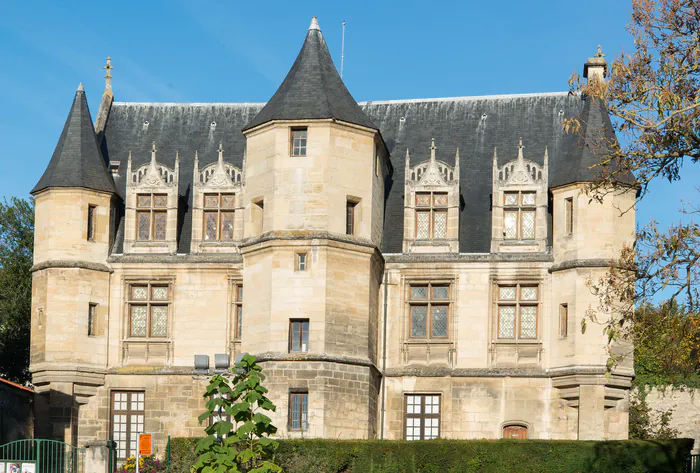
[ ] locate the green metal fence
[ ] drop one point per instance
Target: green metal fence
(47, 456)
(693, 464)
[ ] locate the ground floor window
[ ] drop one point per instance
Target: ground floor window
(514, 432)
(127, 421)
(299, 411)
(422, 416)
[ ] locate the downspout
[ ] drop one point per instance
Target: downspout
(386, 291)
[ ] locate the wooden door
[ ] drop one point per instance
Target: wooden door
(514, 432)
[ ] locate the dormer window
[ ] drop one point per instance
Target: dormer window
(298, 141)
(218, 217)
(431, 215)
(151, 216)
(519, 215)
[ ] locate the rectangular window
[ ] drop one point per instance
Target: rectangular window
(148, 310)
(91, 221)
(218, 217)
(519, 215)
(422, 416)
(431, 215)
(258, 215)
(517, 307)
(151, 217)
(301, 261)
(429, 308)
(92, 320)
(298, 141)
(563, 320)
(350, 217)
(569, 216)
(128, 417)
(238, 311)
(299, 411)
(299, 335)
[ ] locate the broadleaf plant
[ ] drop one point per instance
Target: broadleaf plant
(238, 440)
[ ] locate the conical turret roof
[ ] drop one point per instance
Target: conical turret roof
(77, 161)
(312, 89)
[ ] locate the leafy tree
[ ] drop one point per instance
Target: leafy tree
(16, 246)
(241, 444)
(653, 96)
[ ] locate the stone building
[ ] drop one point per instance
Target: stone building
(412, 268)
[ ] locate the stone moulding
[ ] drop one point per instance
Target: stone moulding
(67, 264)
(346, 360)
(581, 263)
(307, 235)
(428, 372)
(182, 259)
(468, 257)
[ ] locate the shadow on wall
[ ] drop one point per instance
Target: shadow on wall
(16, 412)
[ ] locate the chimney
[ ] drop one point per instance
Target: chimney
(596, 67)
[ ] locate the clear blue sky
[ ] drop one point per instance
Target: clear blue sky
(232, 51)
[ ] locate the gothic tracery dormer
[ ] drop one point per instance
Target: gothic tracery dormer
(431, 206)
(151, 206)
(217, 212)
(519, 204)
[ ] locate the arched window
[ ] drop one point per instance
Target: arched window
(515, 431)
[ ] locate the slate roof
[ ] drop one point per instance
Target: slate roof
(77, 161)
(474, 124)
(312, 89)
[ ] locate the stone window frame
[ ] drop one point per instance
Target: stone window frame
(301, 261)
(520, 208)
(429, 302)
(352, 214)
(92, 320)
(152, 210)
(128, 413)
(301, 332)
(421, 416)
(432, 209)
(303, 401)
(154, 281)
(517, 303)
(91, 222)
(569, 216)
(220, 209)
(302, 146)
(236, 310)
(563, 320)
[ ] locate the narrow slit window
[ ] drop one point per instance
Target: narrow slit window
(92, 320)
(569, 224)
(350, 216)
(563, 320)
(91, 222)
(238, 310)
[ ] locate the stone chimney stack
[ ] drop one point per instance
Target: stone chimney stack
(596, 67)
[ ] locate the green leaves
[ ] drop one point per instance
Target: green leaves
(239, 439)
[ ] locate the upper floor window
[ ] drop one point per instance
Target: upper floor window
(519, 215)
(429, 306)
(518, 311)
(151, 216)
(302, 261)
(422, 417)
(298, 141)
(431, 215)
(569, 216)
(350, 216)
(91, 219)
(218, 217)
(148, 310)
(92, 320)
(563, 320)
(299, 335)
(238, 310)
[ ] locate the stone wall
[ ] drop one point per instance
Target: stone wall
(16, 412)
(685, 405)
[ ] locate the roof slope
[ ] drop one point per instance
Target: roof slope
(312, 89)
(77, 161)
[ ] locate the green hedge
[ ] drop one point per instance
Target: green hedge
(465, 456)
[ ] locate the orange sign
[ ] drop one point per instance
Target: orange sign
(145, 444)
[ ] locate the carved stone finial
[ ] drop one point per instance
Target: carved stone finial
(600, 52)
(407, 167)
(456, 168)
(153, 147)
(108, 76)
(546, 157)
(432, 149)
(221, 152)
(520, 150)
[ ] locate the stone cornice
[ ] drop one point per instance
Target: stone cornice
(71, 265)
(250, 244)
(281, 356)
(581, 263)
(220, 258)
(575, 371)
(469, 257)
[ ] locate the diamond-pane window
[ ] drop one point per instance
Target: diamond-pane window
(159, 318)
(139, 293)
(528, 293)
(151, 217)
(511, 199)
(218, 217)
(148, 310)
(440, 220)
(226, 226)
(423, 200)
(517, 311)
(519, 217)
(422, 225)
(528, 198)
(422, 417)
(144, 226)
(160, 223)
(429, 308)
(511, 225)
(431, 219)
(210, 226)
(506, 293)
(139, 315)
(528, 322)
(506, 322)
(528, 225)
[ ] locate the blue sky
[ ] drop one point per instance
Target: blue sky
(232, 51)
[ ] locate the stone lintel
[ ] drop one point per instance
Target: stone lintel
(68, 264)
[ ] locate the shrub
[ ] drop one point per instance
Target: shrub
(147, 464)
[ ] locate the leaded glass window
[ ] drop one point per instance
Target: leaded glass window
(151, 217)
(429, 309)
(519, 215)
(218, 217)
(517, 311)
(127, 419)
(422, 416)
(149, 305)
(431, 215)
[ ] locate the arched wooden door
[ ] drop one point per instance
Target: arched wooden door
(514, 432)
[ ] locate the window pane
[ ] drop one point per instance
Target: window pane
(422, 225)
(440, 225)
(159, 318)
(143, 201)
(227, 226)
(211, 201)
(528, 293)
(418, 321)
(441, 292)
(413, 405)
(304, 336)
(440, 200)
(138, 321)
(506, 293)
(423, 200)
(159, 293)
(419, 293)
(160, 201)
(159, 231)
(528, 198)
(511, 199)
(296, 336)
(144, 226)
(439, 322)
(528, 225)
(139, 293)
(432, 404)
(210, 226)
(506, 322)
(510, 228)
(227, 201)
(528, 322)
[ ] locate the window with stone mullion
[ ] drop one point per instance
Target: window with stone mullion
(431, 215)
(148, 310)
(127, 419)
(151, 217)
(519, 215)
(422, 417)
(518, 307)
(429, 309)
(218, 217)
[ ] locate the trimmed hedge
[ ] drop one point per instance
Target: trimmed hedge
(466, 456)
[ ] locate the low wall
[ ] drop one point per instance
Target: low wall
(686, 410)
